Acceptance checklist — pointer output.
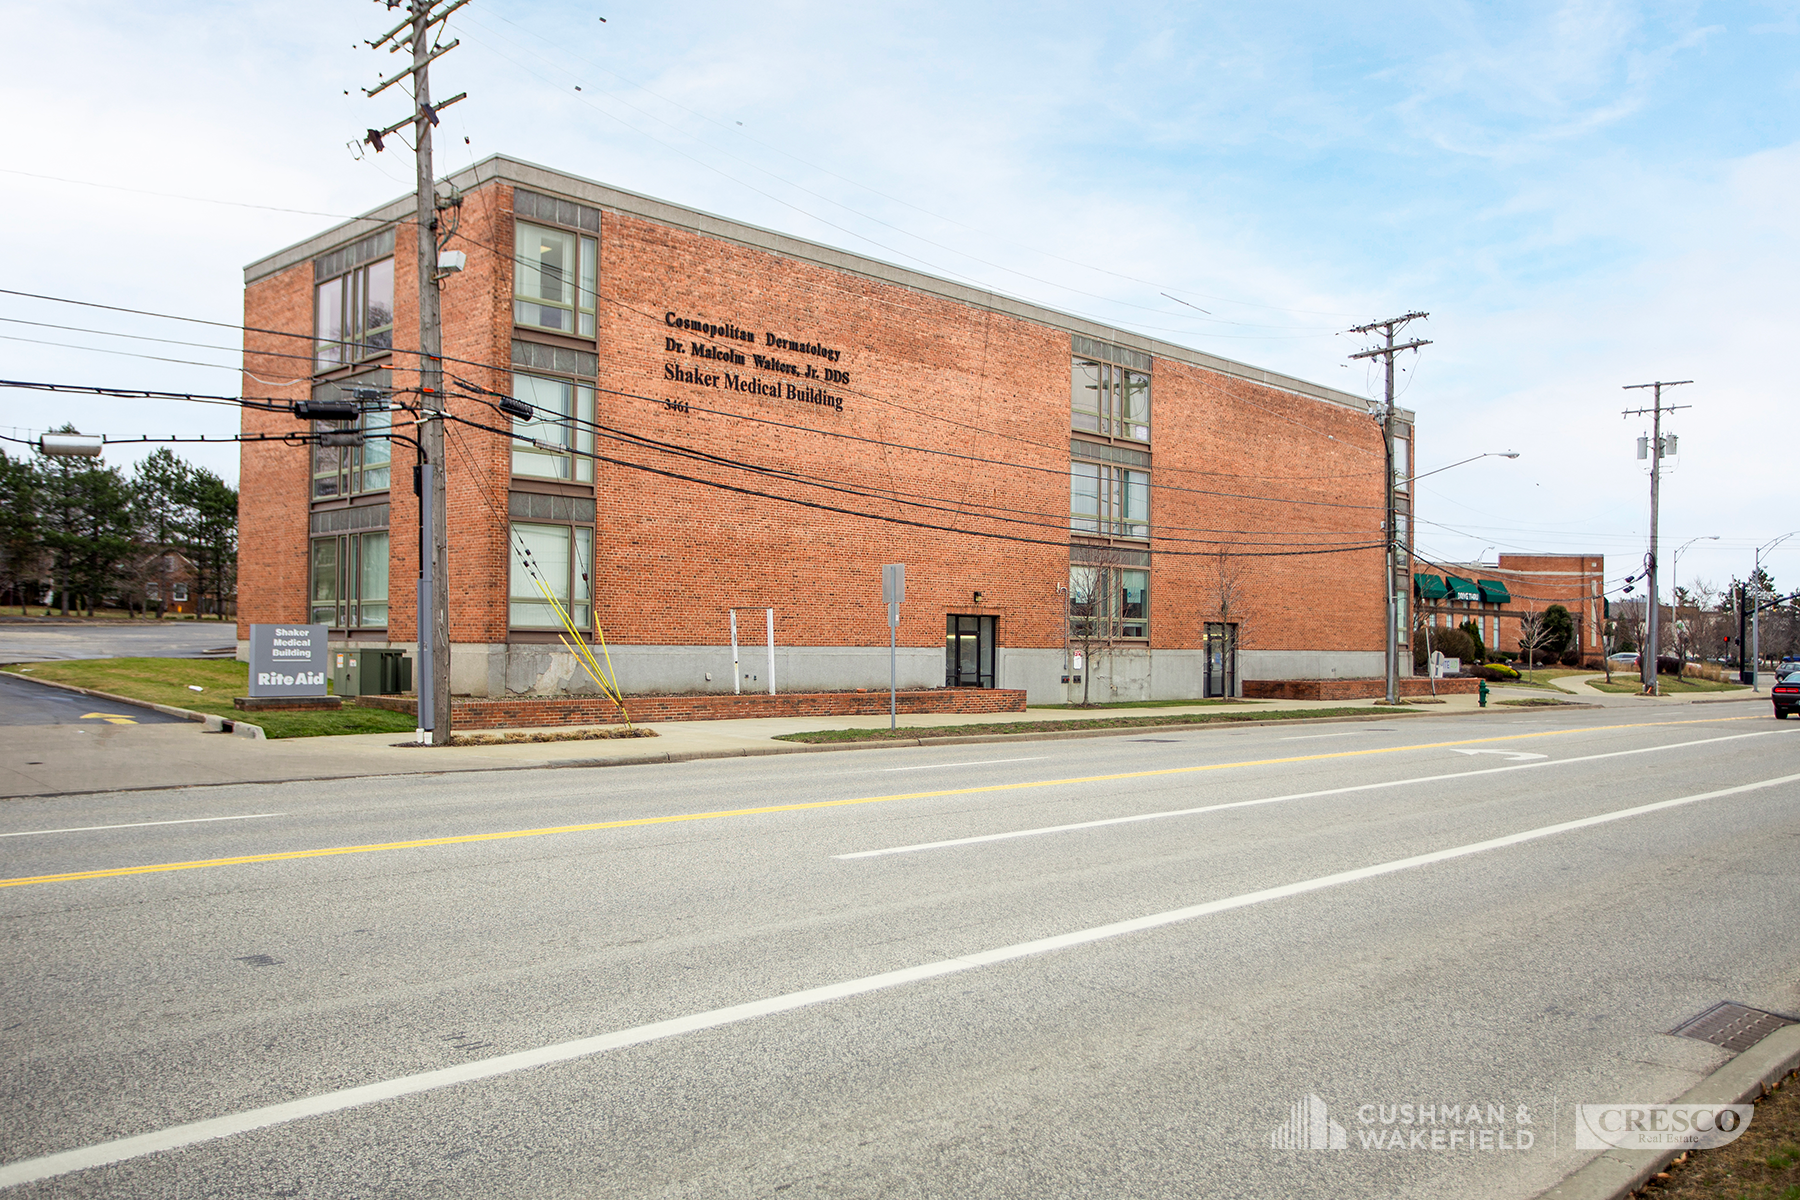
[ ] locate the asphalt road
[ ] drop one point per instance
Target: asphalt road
(22, 641)
(707, 998)
(23, 703)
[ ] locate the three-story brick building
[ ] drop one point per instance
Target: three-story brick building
(726, 419)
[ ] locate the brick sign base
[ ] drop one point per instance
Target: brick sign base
(1350, 689)
(527, 712)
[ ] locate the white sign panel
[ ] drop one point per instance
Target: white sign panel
(287, 660)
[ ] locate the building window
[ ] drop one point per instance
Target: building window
(350, 580)
(1109, 400)
(554, 279)
(1109, 500)
(353, 314)
(353, 470)
(563, 557)
(153, 591)
(564, 444)
(180, 593)
(1108, 603)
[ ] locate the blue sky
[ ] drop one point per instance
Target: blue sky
(1583, 196)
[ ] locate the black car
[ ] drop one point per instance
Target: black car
(1786, 694)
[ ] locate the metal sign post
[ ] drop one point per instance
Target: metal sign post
(893, 591)
(737, 672)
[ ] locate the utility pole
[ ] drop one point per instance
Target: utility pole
(434, 537)
(1385, 414)
(1647, 663)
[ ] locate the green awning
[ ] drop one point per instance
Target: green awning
(1493, 591)
(1429, 587)
(1461, 589)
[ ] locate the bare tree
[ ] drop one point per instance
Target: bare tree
(1096, 612)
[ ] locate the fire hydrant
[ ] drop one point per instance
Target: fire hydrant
(1483, 693)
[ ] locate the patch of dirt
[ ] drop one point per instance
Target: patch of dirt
(1763, 1164)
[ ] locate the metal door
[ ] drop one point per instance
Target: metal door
(969, 651)
(1221, 659)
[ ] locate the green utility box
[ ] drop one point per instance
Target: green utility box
(373, 672)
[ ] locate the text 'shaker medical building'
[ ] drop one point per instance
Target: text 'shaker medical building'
(727, 418)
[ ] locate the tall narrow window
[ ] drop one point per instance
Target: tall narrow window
(354, 315)
(562, 556)
(1107, 603)
(555, 279)
(559, 439)
(350, 580)
(1109, 400)
(1109, 500)
(352, 470)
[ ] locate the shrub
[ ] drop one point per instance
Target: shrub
(1493, 673)
(1593, 663)
(1452, 643)
(1668, 665)
(1571, 658)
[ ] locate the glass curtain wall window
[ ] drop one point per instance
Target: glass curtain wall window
(350, 580)
(563, 557)
(1110, 400)
(352, 470)
(354, 315)
(1109, 500)
(1108, 603)
(561, 407)
(555, 277)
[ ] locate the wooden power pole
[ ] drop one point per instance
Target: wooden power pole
(434, 539)
(1385, 414)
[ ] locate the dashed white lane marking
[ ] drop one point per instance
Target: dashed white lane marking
(141, 824)
(48, 1166)
(985, 762)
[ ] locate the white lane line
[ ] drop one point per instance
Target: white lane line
(142, 824)
(985, 762)
(30, 1170)
(1190, 812)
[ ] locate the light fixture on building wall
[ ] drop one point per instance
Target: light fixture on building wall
(978, 597)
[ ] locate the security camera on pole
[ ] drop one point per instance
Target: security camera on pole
(434, 537)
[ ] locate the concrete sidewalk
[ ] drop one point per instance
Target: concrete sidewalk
(45, 760)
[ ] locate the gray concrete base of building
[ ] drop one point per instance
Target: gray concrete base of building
(1046, 675)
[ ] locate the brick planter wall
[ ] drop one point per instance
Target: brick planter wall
(1349, 689)
(528, 711)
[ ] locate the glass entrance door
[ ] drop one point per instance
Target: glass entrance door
(1221, 659)
(968, 651)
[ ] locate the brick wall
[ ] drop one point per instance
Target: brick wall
(1266, 470)
(1350, 689)
(648, 710)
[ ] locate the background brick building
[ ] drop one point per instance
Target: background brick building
(729, 418)
(1528, 584)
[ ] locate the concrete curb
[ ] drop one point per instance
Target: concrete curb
(1618, 1173)
(211, 721)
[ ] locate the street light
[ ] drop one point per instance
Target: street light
(1675, 586)
(1489, 454)
(1756, 612)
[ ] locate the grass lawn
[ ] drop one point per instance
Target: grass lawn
(1763, 1164)
(1541, 678)
(167, 680)
(1217, 718)
(1670, 686)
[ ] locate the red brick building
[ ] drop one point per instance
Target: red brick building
(726, 418)
(1502, 599)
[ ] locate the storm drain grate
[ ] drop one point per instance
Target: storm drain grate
(1736, 1027)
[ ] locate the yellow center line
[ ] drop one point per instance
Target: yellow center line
(468, 838)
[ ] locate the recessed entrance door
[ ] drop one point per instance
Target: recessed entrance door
(1221, 659)
(968, 651)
